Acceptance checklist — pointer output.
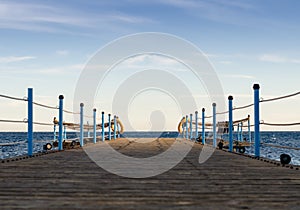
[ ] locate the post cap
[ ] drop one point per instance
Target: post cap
(61, 97)
(81, 104)
(196, 112)
(214, 104)
(256, 86)
(102, 112)
(94, 109)
(109, 114)
(230, 98)
(203, 109)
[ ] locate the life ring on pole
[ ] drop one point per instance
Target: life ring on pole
(181, 124)
(47, 146)
(120, 125)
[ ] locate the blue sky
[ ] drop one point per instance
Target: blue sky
(46, 44)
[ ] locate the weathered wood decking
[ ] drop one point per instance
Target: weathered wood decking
(70, 180)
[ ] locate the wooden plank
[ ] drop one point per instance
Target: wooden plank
(70, 180)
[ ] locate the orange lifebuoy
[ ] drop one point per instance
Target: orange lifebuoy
(182, 123)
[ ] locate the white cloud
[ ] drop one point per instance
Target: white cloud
(225, 62)
(11, 59)
(62, 52)
(43, 17)
(241, 76)
(273, 58)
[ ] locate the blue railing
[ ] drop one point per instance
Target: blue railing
(231, 123)
(61, 124)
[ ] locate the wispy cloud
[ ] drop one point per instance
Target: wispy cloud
(241, 76)
(273, 58)
(12, 59)
(62, 52)
(49, 18)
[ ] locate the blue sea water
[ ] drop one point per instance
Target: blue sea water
(14, 144)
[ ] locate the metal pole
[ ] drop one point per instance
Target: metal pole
(30, 121)
(203, 126)
(238, 131)
(196, 121)
(118, 128)
(54, 132)
(241, 131)
(109, 127)
(60, 123)
(249, 129)
(183, 128)
(103, 137)
(230, 98)
(186, 127)
(256, 120)
(191, 126)
(115, 128)
(81, 124)
(214, 125)
(95, 124)
(88, 127)
(65, 132)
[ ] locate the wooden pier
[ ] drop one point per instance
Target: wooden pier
(70, 180)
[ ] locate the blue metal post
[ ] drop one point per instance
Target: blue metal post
(94, 126)
(203, 126)
(238, 131)
(241, 131)
(186, 127)
(214, 125)
(30, 121)
(81, 124)
(65, 132)
(88, 127)
(191, 126)
(60, 123)
(109, 127)
(183, 128)
(118, 128)
(256, 120)
(230, 124)
(115, 126)
(103, 137)
(196, 122)
(54, 132)
(249, 129)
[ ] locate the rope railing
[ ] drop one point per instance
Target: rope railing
(13, 98)
(280, 146)
(280, 124)
(280, 97)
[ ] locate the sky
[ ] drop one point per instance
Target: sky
(47, 44)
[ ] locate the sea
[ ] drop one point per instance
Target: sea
(13, 144)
